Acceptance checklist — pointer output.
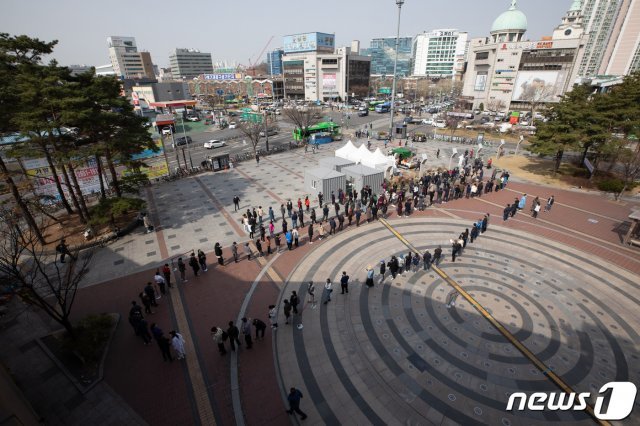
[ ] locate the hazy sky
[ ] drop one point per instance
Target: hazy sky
(235, 31)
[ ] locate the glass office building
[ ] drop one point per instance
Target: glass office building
(383, 51)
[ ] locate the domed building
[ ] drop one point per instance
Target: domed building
(508, 74)
(509, 26)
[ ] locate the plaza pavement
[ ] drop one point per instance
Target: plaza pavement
(562, 284)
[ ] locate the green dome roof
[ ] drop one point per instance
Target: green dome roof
(512, 19)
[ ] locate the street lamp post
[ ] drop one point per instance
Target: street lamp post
(186, 141)
(395, 70)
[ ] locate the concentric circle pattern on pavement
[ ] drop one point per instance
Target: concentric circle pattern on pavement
(395, 354)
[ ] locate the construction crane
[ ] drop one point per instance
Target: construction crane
(252, 64)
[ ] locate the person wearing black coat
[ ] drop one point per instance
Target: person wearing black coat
(217, 249)
(393, 266)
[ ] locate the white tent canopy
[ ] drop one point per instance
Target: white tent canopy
(378, 160)
(348, 151)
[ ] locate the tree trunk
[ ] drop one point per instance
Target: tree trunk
(72, 193)
(112, 170)
(584, 154)
(20, 202)
(559, 155)
(103, 192)
(76, 185)
(56, 179)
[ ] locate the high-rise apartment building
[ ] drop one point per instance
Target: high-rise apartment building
(622, 55)
(383, 53)
(599, 18)
(189, 63)
(127, 62)
(440, 53)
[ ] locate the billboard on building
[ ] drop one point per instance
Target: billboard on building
(225, 76)
(44, 184)
(329, 82)
(309, 42)
(481, 83)
(541, 86)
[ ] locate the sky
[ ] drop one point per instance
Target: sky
(237, 31)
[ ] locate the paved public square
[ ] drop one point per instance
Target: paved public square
(562, 284)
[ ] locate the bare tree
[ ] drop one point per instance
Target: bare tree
(495, 105)
(629, 160)
(41, 280)
(303, 118)
(252, 131)
(535, 95)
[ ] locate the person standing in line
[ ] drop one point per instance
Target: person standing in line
(142, 329)
(296, 237)
(259, 248)
(307, 203)
(506, 212)
(327, 291)
(426, 260)
(536, 210)
(311, 291)
(288, 236)
(151, 293)
(344, 282)
(166, 271)
(294, 301)
(163, 343)
(202, 260)
(218, 337)
(193, 262)
(247, 250)
(217, 250)
(310, 232)
(550, 201)
(320, 231)
(177, 342)
(294, 220)
(273, 317)
(474, 234)
(325, 213)
(523, 202)
(464, 237)
(272, 215)
(234, 251)
(294, 398)
(277, 243)
(370, 274)
(160, 282)
(383, 270)
(437, 256)
(485, 223)
(416, 262)
(268, 243)
(246, 331)
(260, 327)
(146, 302)
(234, 335)
(393, 266)
(455, 249)
(287, 310)
(312, 215)
(236, 203)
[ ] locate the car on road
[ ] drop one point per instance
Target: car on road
(233, 125)
(363, 113)
(440, 124)
(184, 140)
(427, 121)
(270, 132)
(193, 118)
(214, 143)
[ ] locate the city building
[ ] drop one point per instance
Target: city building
(505, 72)
(127, 62)
(105, 70)
(440, 53)
(234, 85)
(383, 54)
(315, 70)
(146, 95)
(189, 63)
(622, 55)
(599, 18)
(274, 62)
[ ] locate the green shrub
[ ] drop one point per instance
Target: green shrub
(113, 208)
(614, 185)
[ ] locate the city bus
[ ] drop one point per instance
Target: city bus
(326, 128)
(382, 108)
(372, 104)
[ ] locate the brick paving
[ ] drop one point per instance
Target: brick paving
(160, 393)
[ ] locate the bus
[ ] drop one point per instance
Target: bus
(326, 128)
(461, 115)
(382, 108)
(372, 104)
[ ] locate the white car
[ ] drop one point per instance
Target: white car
(214, 143)
(440, 124)
(233, 125)
(193, 118)
(427, 121)
(166, 131)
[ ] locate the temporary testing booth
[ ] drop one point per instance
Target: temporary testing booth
(336, 163)
(325, 180)
(359, 176)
